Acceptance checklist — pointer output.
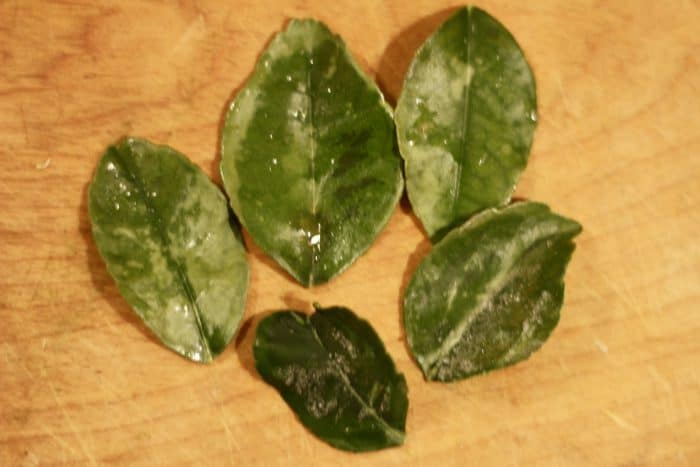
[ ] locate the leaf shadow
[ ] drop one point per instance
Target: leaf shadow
(215, 168)
(407, 209)
(414, 259)
(399, 53)
(100, 277)
(295, 303)
(244, 342)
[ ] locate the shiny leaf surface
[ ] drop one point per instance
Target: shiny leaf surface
(465, 120)
(164, 231)
(308, 154)
(489, 293)
(334, 372)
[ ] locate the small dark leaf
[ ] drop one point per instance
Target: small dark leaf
(334, 372)
(163, 229)
(489, 294)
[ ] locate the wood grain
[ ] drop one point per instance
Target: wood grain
(82, 382)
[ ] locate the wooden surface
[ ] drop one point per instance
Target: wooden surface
(618, 148)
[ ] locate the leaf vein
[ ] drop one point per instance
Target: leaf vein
(394, 434)
(456, 187)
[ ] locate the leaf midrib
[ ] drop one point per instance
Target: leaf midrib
(312, 157)
(456, 188)
(393, 434)
(165, 250)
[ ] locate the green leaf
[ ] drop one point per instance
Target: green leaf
(334, 372)
(308, 154)
(164, 231)
(465, 120)
(489, 294)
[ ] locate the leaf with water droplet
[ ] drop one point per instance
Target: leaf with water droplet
(469, 85)
(332, 369)
(489, 293)
(308, 155)
(164, 231)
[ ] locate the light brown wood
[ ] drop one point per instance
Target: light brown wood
(618, 148)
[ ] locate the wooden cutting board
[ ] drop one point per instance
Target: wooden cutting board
(82, 382)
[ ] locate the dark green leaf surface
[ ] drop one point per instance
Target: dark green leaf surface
(334, 372)
(163, 229)
(308, 154)
(489, 294)
(465, 120)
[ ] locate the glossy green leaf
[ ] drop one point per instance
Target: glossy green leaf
(334, 372)
(163, 228)
(489, 293)
(308, 154)
(465, 120)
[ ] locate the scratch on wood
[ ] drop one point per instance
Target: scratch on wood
(59, 403)
(243, 28)
(61, 442)
(565, 100)
(660, 379)
(196, 27)
(44, 267)
(30, 460)
(16, 361)
(682, 457)
(24, 124)
(7, 354)
(112, 394)
(601, 346)
(43, 165)
(625, 298)
(15, 14)
(230, 439)
(563, 366)
(621, 422)
(593, 292)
